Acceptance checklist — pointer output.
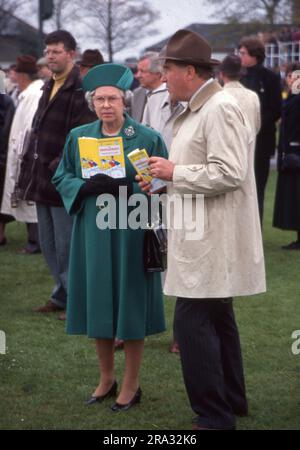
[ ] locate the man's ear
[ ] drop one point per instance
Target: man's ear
(73, 54)
(190, 72)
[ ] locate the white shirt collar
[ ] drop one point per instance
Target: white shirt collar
(200, 88)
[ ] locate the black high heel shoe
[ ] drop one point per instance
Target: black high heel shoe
(135, 399)
(100, 398)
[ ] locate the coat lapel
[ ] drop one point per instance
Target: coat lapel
(204, 94)
(196, 103)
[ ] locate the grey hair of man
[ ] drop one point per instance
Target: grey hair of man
(156, 65)
(90, 94)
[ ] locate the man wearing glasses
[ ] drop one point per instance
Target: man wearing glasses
(61, 108)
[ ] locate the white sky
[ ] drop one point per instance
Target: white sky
(174, 14)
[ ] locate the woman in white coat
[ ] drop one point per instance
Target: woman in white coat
(30, 92)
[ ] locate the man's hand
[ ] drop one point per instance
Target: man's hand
(144, 185)
(161, 168)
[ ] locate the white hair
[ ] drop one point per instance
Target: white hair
(155, 64)
(89, 98)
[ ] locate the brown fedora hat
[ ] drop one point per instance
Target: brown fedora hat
(189, 47)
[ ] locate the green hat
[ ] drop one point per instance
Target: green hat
(108, 75)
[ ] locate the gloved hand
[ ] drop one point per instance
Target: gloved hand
(103, 184)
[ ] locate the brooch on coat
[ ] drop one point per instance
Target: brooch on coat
(129, 131)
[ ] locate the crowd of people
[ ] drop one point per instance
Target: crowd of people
(209, 128)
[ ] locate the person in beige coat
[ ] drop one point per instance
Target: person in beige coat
(211, 154)
(230, 72)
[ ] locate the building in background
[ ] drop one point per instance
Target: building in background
(224, 38)
(16, 38)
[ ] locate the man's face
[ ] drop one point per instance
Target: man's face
(246, 59)
(44, 72)
(58, 58)
(293, 81)
(176, 77)
(147, 79)
(12, 75)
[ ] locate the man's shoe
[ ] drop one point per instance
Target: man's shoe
(98, 399)
(27, 251)
(135, 399)
(48, 308)
(62, 316)
(174, 347)
(292, 246)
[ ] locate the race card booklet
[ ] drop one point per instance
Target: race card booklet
(102, 156)
(139, 158)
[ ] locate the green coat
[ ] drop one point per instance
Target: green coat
(110, 295)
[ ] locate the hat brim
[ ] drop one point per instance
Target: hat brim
(197, 62)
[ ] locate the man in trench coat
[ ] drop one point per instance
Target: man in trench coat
(211, 154)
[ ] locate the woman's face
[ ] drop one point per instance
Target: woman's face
(108, 104)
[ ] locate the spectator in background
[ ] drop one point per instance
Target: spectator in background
(11, 84)
(160, 113)
(89, 59)
(267, 86)
(287, 198)
(296, 39)
(61, 108)
(285, 35)
(30, 92)
(230, 73)
(7, 110)
(149, 75)
(44, 72)
(161, 110)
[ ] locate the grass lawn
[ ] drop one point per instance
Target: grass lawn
(45, 375)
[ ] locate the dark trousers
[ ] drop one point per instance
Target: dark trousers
(262, 169)
(211, 360)
(32, 238)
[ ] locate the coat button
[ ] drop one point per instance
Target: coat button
(35, 156)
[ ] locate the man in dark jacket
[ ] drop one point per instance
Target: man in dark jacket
(61, 108)
(267, 86)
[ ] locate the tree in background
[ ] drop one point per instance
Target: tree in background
(111, 24)
(116, 24)
(264, 11)
(8, 7)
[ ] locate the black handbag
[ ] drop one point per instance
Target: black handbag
(155, 247)
(291, 162)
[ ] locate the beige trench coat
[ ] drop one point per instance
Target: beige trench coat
(248, 102)
(213, 152)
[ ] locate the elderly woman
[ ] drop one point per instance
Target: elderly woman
(110, 294)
